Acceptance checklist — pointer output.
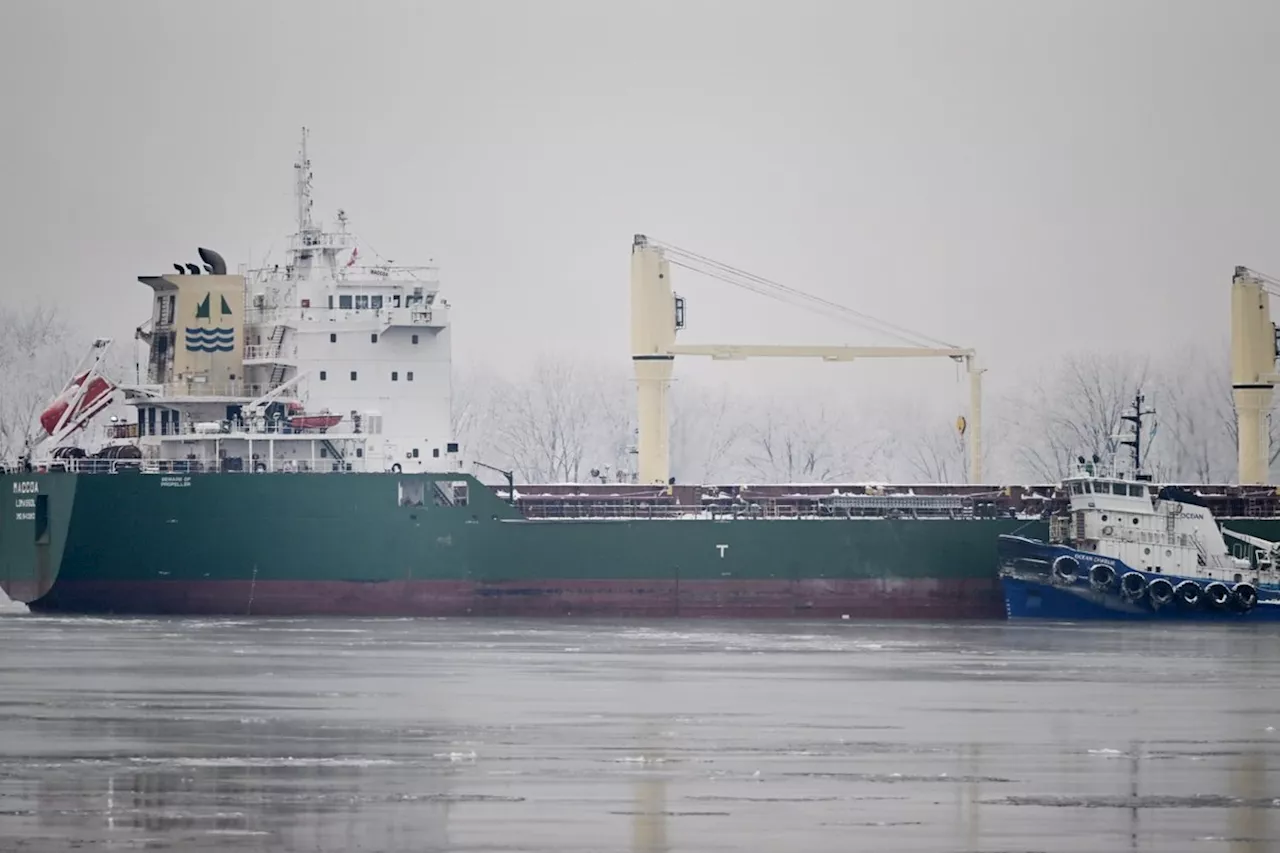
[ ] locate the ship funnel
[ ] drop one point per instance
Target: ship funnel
(180, 268)
(193, 269)
(216, 265)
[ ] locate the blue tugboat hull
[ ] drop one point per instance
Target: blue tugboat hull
(1028, 599)
(1033, 590)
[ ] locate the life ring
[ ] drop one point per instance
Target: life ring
(259, 467)
(395, 468)
(1108, 530)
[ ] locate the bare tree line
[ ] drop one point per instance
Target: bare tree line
(1031, 435)
(35, 362)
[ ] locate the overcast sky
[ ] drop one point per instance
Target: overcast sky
(1026, 178)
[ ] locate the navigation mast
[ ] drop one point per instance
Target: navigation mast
(1134, 441)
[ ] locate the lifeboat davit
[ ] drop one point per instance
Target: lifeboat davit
(95, 395)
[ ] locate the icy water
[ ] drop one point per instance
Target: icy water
(436, 735)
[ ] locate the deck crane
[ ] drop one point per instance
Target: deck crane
(657, 313)
(1254, 351)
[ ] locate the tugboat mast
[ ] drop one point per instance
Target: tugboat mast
(1135, 440)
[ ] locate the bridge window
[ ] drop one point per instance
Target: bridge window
(1119, 489)
(1076, 489)
(394, 376)
(323, 375)
(375, 302)
(415, 339)
(373, 339)
(435, 453)
(333, 338)
(353, 376)
(408, 377)
(362, 302)
(415, 453)
(1137, 491)
(344, 301)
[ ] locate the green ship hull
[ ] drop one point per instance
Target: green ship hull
(354, 544)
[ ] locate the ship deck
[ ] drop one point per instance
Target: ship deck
(829, 500)
(551, 501)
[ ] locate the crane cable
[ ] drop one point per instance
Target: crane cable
(1271, 284)
(774, 290)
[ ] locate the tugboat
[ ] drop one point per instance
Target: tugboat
(1125, 549)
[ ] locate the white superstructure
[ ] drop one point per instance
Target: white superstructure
(1162, 531)
(327, 362)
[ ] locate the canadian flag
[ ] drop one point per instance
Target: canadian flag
(355, 253)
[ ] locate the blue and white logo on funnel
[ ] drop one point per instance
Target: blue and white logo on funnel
(211, 338)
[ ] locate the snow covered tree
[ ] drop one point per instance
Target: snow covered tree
(35, 362)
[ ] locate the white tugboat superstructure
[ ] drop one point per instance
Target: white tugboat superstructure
(1124, 549)
(325, 363)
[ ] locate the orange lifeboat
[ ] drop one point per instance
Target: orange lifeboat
(96, 394)
(314, 421)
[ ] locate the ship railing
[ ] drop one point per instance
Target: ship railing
(795, 507)
(415, 314)
(239, 465)
(74, 465)
(266, 352)
(254, 427)
(230, 465)
(194, 388)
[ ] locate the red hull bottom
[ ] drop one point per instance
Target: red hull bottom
(975, 598)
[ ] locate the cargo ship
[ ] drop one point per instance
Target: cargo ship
(291, 455)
